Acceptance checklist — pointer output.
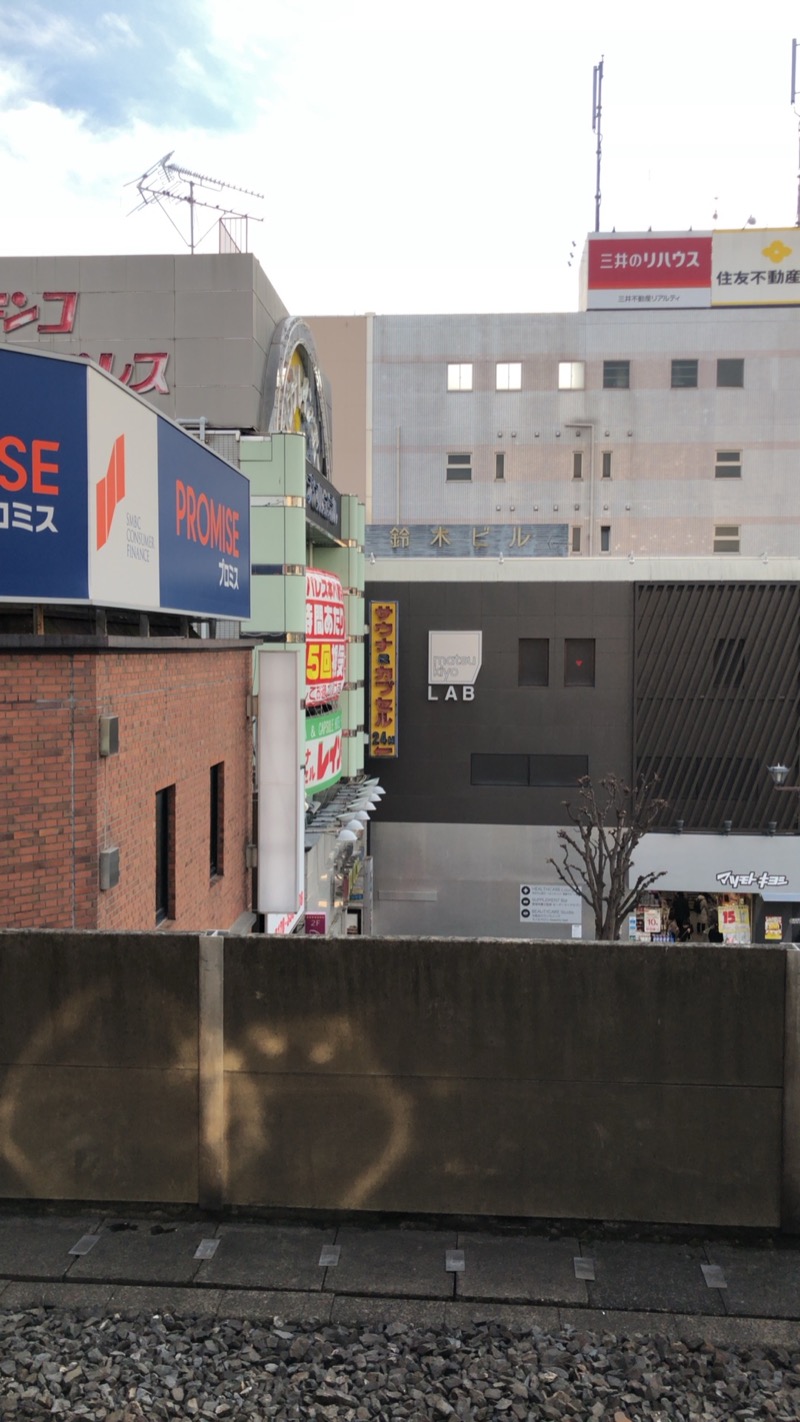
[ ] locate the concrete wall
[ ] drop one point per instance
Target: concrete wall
(458, 1076)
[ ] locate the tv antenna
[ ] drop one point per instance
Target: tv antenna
(167, 182)
(597, 111)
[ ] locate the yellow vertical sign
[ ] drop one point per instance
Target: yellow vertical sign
(383, 679)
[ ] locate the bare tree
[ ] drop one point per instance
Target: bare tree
(609, 820)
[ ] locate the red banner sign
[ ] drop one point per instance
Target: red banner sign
(325, 638)
(648, 263)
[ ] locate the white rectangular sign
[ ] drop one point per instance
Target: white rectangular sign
(549, 903)
(454, 658)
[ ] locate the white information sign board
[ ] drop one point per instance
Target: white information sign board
(548, 903)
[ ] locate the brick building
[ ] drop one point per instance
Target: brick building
(75, 818)
(126, 750)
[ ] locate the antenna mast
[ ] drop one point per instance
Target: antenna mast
(597, 110)
(794, 106)
(165, 181)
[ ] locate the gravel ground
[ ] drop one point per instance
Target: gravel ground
(129, 1367)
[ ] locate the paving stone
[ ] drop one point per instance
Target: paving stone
(654, 1277)
(163, 1298)
(465, 1315)
(39, 1248)
(292, 1306)
(761, 1282)
(147, 1253)
(31, 1293)
(388, 1262)
(273, 1257)
(414, 1313)
(520, 1269)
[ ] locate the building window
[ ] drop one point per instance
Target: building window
(498, 770)
(534, 661)
(684, 374)
(726, 538)
(571, 375)
(729, 464)
(730, 373)
(541, 771)
(216, 819)
(500, 466)
(616, 374)
(459, 466)
(459, 376)
(605, 538)
(165, 853)
(576, 538)
(508, 375)
(559, 771)
(606, 463)
(579, 661)
(729, 661)
(577, 464)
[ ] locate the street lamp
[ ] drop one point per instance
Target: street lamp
(779, 775)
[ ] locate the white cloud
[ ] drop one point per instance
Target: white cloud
(425, 157)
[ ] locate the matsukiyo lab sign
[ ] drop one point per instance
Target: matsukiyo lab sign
(454, 659)
(103, 500)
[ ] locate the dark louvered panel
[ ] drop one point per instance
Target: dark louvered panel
(716, 700)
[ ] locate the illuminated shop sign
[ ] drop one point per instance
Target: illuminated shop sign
(323, 762)
(104, 500)
(454, 660)
(323, 502)
(383, 618)
(325, 638)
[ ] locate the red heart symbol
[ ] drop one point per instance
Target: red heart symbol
(579, 664)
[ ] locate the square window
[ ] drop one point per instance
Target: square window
(576, 539)
(459, 376)
(579, 661)
(730, 373)
(684, 374)
(508, 375)
(729, 464)
(577, 464)
(459, 466)
(534, 661)
(606, 463)
(605, 538)
(616, 374)
(726, 538)
(571, 375)
(499, 466)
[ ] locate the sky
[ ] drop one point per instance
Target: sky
(423, 156)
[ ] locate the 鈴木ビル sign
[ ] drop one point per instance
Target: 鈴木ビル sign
(104, 500)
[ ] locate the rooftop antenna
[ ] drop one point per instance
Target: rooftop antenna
(165, 181)
(794, 106)
(597, 111)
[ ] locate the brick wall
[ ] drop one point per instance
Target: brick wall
(48, 829)
(180, 712)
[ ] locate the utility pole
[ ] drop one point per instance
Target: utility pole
(794, 106)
